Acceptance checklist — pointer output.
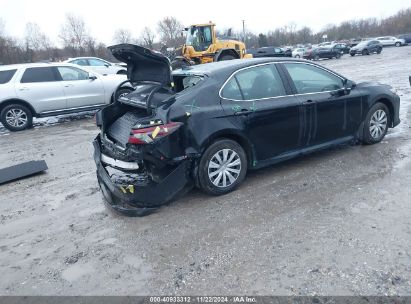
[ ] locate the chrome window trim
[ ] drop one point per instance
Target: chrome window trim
(274, 63)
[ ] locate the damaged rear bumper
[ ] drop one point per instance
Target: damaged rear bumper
(135, 199)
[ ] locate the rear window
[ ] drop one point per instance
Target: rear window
(182, 82)
(5, 76)
(38, 75)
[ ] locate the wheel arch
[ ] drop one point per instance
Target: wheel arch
(390, 107)
(22, 102)
(223, 52)
(238, 138)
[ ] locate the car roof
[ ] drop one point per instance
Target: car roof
(37, 65)
(229, 66)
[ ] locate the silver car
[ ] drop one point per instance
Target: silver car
(48, 89)
(391, 40)
(99, 65)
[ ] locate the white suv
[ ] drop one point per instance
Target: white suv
(391, 40)
(47, 89)
(99, 65)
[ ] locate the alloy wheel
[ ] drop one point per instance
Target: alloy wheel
(16, 118)
(378, 124)
(224, 168)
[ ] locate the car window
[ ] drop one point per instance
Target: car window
(72, 74)
(231, 90)
(258, 82)
(45, 74)
(96, 62)
(5, 76)
(82, 62)
(311, 79)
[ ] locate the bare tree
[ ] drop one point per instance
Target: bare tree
(35, 39)
(2, 26)
(147, 37)
(122, 36)
(170, 29)
(74, 34)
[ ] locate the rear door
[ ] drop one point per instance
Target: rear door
(80, 90)
(42, 88)
(259, 102)
(327, 117)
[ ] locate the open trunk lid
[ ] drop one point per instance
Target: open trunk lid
(143, 65)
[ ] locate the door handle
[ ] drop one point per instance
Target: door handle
(69, 85)
(308, 101)
(243, 112)
(24, 89)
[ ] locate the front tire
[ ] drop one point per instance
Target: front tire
(398, 44)
(376, 124)
(222, 167)
(16, 117)
(297, 56)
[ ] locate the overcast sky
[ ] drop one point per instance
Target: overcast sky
(103, 17)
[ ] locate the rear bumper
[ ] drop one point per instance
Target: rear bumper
(135, 199)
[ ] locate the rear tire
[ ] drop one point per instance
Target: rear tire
(16, 117)
(398, 44)
(338, 56)
(297, 56)
(316, 57)
(376, 124)
(222, 167)
(379, 51)
(352, 54)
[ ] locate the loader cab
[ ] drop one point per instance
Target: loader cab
(200, 37)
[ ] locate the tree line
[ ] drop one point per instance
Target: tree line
(77, 40)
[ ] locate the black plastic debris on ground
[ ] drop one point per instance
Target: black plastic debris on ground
(22, 170)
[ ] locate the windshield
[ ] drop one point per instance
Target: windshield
(199, 37)
(362, 43)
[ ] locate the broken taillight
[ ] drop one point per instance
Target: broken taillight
(148, 135)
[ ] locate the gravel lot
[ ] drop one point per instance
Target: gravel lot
(336, 222)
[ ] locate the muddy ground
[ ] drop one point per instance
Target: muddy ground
(336, 222)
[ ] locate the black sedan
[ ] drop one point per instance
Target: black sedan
(366, 48)
(271, 51)
(207, 125)
(322, 52)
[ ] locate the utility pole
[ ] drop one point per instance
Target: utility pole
(243, 31)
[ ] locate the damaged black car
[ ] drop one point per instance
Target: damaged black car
(207, 125)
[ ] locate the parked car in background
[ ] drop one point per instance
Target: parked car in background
(325, 44)
(298, 52)
(221, 119)
(354, 42)
(406, 38)
(390, 41)
(322, 52)
(99, 65)
(46, 89)
(366, 47)
(271, 51)
(342, 47)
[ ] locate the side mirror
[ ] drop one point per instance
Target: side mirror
(106, 65)
(92, 77)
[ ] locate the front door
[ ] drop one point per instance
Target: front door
(327, 116)
(258, 102)
(80, 90)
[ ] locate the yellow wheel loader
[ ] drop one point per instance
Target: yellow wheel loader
(203, 46)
